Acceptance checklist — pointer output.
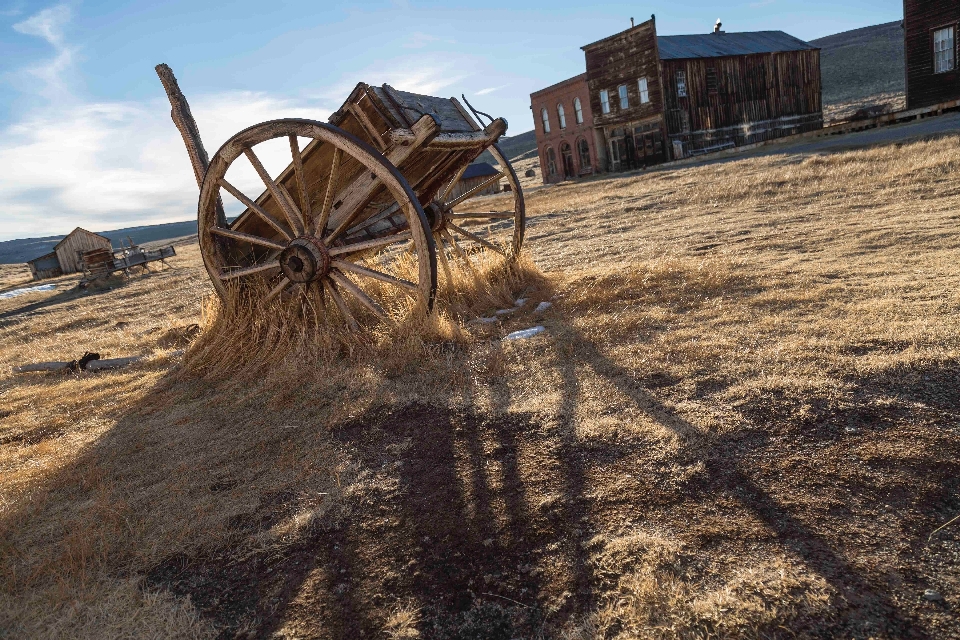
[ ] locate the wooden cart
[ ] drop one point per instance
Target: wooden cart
(376, 179)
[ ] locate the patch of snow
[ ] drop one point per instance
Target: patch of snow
(521, 301)
(503, 312)
(543, 306)
(25, 290)
(523, 334)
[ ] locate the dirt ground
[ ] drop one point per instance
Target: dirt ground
(741, 421)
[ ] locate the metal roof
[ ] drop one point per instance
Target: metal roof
(718, 45)
(478, 169)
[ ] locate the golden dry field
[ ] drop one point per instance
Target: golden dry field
(742, 420)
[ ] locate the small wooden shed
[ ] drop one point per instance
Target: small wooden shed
(46, 266)
(475, 174)
(70, 250)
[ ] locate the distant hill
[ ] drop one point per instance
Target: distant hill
(863, 62)
(513, 146)
(18, 251)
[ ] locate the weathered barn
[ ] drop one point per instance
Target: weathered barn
(70, 249)
(563, 122)
(656, 98)
(930, 49)
(46, 266)
(476, 173)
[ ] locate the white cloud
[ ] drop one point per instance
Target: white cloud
(49, 24)
(484, 92)
(113, 164)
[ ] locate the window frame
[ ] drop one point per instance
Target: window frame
(713, 80)
(604, 101)
(578, 110)
(580, 154)
(561, 116)
(681, 80)
(545, 119)
(624, 96)
(952, 50)
(643, 86)
(551, 162)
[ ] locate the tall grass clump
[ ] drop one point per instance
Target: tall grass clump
(244, 334)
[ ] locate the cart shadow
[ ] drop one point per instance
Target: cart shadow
(476, 521)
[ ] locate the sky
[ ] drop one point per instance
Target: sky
(85, 133)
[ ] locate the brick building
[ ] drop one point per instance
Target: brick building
(563, 121)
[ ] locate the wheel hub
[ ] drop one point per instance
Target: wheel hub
(436, 215)
(304, 260)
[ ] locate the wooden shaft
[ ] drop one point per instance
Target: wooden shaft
(183, 119)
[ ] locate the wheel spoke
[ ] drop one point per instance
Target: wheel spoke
(253, 206)
(289, 210)
(372, 273)
(247, 237)
(284, 282)
(301, 182)
(247, 271)
(476, 238)
(341, 305)
(504, 215)
(328, 197)
(359, 294)
(351, 218)
(456, 247)
(442, 254)
(453, 183)
(469, 194)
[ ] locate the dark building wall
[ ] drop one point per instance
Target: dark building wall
(564, 93)
(738, 100)
(921, 18)
(631, 136)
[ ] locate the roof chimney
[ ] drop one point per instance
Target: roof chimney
(716, 27)
(631, 23)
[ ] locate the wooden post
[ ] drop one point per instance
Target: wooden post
(183, 119)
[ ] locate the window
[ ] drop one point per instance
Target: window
(604, 101)
(624, 102)
(711, 79)
(584, 150)
(681, 84)
(644, 91)
(546, 120)
(561, 117)
(551, 162)
(943, 50)
(577, 110)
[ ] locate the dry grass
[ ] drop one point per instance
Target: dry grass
(741, 421)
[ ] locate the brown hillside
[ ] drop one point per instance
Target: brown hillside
(742, 421)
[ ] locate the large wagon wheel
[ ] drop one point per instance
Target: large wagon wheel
(466, 229)
(313, 248)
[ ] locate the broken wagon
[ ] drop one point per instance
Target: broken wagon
(363, 210)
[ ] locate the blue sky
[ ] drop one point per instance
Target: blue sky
(85, 134)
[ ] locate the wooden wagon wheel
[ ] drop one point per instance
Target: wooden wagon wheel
(467, 229)
(306, 250)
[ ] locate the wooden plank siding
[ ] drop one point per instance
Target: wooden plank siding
(70, 249)
(921, 19)
(751, 98)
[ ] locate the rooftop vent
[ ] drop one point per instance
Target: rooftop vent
(716, 27)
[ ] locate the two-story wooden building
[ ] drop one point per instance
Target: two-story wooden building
(930, 49)
(657, 98)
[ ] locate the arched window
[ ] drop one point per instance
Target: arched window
(561, 117)
(551, 162)
(546, 120)
(578, 110)
(583, 149)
